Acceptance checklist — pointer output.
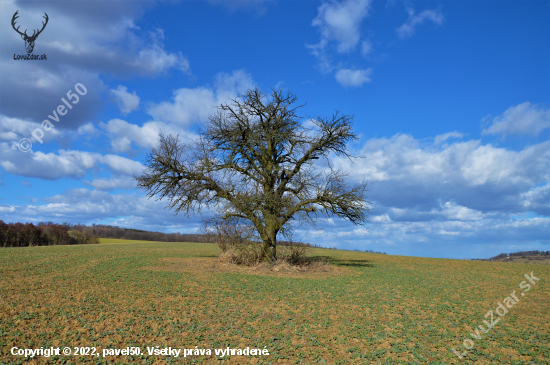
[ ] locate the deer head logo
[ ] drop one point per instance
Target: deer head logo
(29, 40)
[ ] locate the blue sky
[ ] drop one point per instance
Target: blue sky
(450, 98)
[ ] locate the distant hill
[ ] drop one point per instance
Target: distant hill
(531, 257)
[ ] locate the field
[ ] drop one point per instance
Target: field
(367, 309)
(115, 240)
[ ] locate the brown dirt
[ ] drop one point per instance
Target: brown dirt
(212, 265)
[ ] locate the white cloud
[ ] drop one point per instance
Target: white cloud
(113, 182)
(537, 199)
(13, 129)
(154, 59)
(384, 218)
(67, 163)
(48, 166)
(123, 134)
(126, 102)
(489, 165)
(464, 194)
(91, 206)
(366, 48)
(408, 29)
(340, 21)
(403, 174)
(354, 78)
(443, 137)
(522, 119)
(87, 129)
(122, 165)
(455, 212)
(189, 106)
(8, 209)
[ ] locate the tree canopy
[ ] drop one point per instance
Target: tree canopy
(256, 163)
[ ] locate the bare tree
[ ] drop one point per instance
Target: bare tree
(254, 162)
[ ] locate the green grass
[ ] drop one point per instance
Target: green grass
(116, 240)
(385, 309)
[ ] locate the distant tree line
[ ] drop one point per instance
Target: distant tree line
(48, 233)
(42, 234)
(519, 253)
(370, 251)
(105, 231)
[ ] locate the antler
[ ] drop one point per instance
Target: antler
(15, 16)
(43, 26)
(34, 34)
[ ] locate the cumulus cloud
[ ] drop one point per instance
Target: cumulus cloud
(403, 174)
(123, 134)
(66, 163)
(87, 39)
(13, 129)
(353, 78)
(522, 119)
(189, 106)
(113, 182)
(87, 129)
(48, 166)
(126, 102)
(408, 29)
(443, 137)
(91, 206)
(446, 199)
(340, 22)
(452, 211)
(537, 199)
(121, 165)
(153, 58)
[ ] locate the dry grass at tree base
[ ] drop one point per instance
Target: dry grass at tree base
(236, 258)
(251, 254)
(206, 266)
(239, 245)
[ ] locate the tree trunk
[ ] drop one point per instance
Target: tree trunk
(270, 246)
(274, 252)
